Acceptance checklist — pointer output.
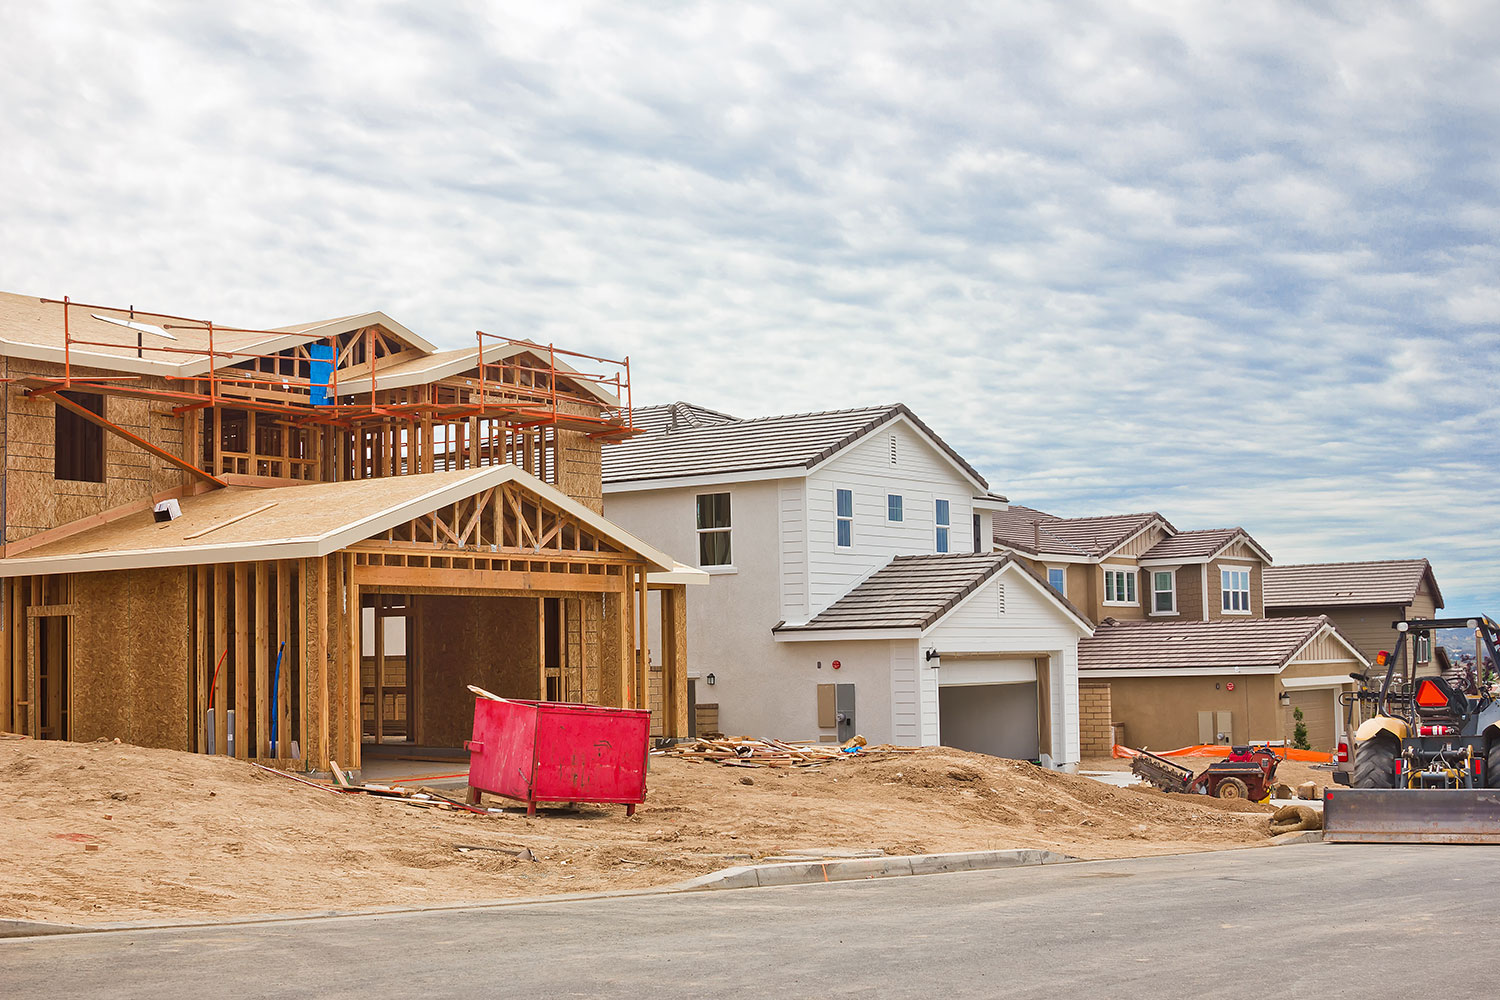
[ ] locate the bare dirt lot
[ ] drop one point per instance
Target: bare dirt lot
(106, 832)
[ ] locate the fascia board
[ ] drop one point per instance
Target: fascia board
(1085, 672)
(708, 479)
(847, 634)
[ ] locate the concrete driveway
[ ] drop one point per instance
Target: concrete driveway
(1314, 921)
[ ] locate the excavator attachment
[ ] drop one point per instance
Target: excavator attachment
(1411, 816)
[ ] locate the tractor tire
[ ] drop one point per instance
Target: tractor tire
(1492, 764)
(1375, 763)
(1233, 788)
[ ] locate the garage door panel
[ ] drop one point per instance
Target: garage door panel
(1318, 715)
(997, 719)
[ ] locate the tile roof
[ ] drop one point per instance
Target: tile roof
(914, 592)
(1197, 544)
(1390, 581)
(1034, 532)
(678, 416)
(797, 440)
(1194, 645)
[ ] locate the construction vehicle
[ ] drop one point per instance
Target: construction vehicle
(1426, 762)
(1247, 773)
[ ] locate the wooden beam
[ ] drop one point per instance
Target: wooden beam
(379, 667)
(228, 521)
(202, 662)
(116, 429)
(355, 654)
(399, 577)
(223, 614)
(288, 653)
(674, 703)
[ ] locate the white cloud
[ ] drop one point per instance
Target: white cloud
(1234, 262)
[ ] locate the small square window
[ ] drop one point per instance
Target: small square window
(893, 505)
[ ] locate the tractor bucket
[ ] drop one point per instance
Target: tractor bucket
(1411, 816)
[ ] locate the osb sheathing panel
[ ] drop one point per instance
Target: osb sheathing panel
(35, 501)
(491, 642)
(131, 657)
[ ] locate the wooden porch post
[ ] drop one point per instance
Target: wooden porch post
(674, 704)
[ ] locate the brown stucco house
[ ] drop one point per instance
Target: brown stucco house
(1220, 681)
(1183, 617)
(1362, 598)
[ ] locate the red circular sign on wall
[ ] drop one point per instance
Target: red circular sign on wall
(836, 664)
(1229, 686)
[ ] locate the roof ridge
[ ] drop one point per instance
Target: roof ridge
(1354, 562)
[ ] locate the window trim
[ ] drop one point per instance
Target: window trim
(900, 517)
(1133, 576)
(1063, 590)
(942, 535)
(1249, 590)
(839, 520)
(1171, 574)
(728, 529)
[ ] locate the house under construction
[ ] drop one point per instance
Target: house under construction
(301, 545)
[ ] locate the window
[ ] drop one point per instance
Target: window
(1119, 587)
(1164, 592)
(713, 530)
(1057, 579)
(893, 507)
(845, 513)
(978, 535)
(1422, 648)
(1234, 584)
(941, 516)
(78, 452)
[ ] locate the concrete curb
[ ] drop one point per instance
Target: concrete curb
(741, 877)
(807, 872)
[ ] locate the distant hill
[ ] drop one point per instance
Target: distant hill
(1456, 640)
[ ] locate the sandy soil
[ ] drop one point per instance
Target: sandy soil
(178, 835)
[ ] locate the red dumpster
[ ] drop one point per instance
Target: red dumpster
(546, 751)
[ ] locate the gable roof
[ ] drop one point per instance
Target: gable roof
(443, 364)
(916, 591)
(1256, 645)
(1311, 585)
(1201, 544)
(790, 441)
(1036, 533)
(307, 521)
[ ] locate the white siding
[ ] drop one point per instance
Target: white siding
(921, 476)
(793, 514)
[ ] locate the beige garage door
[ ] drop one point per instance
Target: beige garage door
(1318, 715)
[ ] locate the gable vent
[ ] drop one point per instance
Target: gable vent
(893, 449)
(1000, 598)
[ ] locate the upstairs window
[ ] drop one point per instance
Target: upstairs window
(78, 452)
(1057, 579)
(713, 530)
(1163, 593)
(893, 505)
(1119, 587)
(844, 512)
(978, 535)
(941, 515)
(1234, 585)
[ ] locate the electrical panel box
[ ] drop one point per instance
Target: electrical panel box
(843, 697)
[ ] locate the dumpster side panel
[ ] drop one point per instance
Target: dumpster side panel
(587, 754)
(506, 734)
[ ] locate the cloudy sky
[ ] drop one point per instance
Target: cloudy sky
(1232, 262)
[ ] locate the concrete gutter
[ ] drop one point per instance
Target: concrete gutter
(740, 877)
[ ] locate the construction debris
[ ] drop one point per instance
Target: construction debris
(425, 797)
(1289, 819)
(746, 751)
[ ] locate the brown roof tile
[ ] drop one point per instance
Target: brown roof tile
(1313, 585)
(1222, 644)
(1031, 531)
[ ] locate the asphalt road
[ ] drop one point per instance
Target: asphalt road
(1319, 921)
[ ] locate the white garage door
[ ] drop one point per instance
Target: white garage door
(997, 719)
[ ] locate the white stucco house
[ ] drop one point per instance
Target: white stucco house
(853, 587)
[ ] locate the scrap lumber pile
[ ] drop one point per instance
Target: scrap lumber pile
(423, 797)
(746, 751)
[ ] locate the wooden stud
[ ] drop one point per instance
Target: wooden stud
(303, 638)
(264, 655)
(286, 649)
(222, 618)
(241, 658)
(202, 663)
(318, 654)
(353, 632)
(379, 668)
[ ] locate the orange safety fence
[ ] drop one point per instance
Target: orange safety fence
(1220, 750)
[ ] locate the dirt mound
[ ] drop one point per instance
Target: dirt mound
(105, 832)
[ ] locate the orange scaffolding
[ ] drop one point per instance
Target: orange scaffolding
(521, 395)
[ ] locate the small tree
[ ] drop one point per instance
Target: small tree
(1299, 731)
